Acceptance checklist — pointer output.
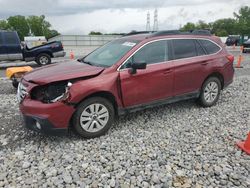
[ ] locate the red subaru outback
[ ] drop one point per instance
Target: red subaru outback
(128, 74)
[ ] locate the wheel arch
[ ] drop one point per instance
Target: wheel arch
(104, 94)
(217, 75)
(44, 52)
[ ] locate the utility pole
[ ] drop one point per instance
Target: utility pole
(148, 22)
(155, 28)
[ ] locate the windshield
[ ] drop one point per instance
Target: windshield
(110, 53)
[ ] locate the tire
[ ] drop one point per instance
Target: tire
(15, 83)
(210, 92)
(86, 121)
(43, 59)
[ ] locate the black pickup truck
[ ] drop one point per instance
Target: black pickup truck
(246, 46)
(11, 48)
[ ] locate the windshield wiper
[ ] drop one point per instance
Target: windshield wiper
(86, 62)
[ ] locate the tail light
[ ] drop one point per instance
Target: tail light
(230, 58)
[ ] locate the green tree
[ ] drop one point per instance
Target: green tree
(203, 25)
(37, 25)
(95, 33)
(40, 27)
(4, 25)
(19, 24)
(188, 27)
(52, 33)
(225, 27)
(243, 20)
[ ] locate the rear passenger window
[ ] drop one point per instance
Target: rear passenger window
(10, 38)
(209, 46)
(184, 48)
(199, 49)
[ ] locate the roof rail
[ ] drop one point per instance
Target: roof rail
(178, 32)
(202, 32)
(138, 32)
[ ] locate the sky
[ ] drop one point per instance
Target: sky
(108, 16)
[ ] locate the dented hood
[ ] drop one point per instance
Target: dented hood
(62, 71)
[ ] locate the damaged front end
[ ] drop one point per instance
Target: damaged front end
(51, 93)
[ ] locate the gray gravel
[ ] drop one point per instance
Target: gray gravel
(176, 145)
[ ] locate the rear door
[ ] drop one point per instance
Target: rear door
(189, 66)
(13, 46)
(3, 51)
(151, 84)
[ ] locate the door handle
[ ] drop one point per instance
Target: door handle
(204, 63)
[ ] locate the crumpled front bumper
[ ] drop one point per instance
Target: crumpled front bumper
(53, 118)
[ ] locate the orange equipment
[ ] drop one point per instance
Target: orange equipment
(72, 56)
(245, 145)
(16, 73)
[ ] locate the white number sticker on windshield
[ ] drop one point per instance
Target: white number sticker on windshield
(131, 44)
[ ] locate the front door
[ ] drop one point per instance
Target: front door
(151, 84)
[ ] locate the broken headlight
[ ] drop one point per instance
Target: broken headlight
(51, 93)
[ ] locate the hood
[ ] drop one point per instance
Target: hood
(61, 71)
(247, 42)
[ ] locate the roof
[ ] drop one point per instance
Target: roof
(141, 35)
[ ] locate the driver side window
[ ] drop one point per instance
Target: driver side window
(155, 52)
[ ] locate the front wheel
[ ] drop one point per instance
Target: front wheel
(43, 59)
(210, 92)
(93, 117)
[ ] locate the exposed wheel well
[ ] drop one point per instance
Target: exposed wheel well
(217, 75)
(48, 53)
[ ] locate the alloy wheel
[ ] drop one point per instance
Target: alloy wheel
(211, 92)
(44, 60)
(94, 117)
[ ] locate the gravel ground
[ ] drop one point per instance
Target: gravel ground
(176, 145)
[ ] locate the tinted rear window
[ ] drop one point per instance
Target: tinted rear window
(209, 46)
(184, 48)
(199, 49)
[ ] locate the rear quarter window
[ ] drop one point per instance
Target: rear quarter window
(10, 38)
(210, 47)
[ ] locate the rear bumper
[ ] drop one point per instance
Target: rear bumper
(227, 84)
(59, 54)
(53, 118)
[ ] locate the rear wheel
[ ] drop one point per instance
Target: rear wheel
(43, 59)
(14, 82)
(93, 117)
(210, 92)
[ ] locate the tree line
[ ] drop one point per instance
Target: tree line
(239, 25)
(38, 26)
(28, 26)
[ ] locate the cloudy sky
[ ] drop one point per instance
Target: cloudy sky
(82, 16)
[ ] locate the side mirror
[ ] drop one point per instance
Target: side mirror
(135, 66)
